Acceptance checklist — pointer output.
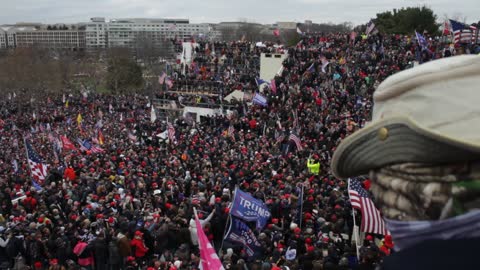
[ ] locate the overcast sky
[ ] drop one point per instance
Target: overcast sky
(262, 11)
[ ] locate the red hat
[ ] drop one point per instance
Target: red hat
(38, 265)
(218, 200)
(308, 240)
(99, 216)
(40, 220)
(139, 233)
(308, 216)
(150, 268)
(111, 220)
(388, 241)
(297, 230)
(310, 249)
(274, 220)
(367, 184)
(53, 261)
(130, 258)
(369, 238)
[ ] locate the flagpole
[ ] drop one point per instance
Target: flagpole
(354, 226)
(301, 207)
(229, 219)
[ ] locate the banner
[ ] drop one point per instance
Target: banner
(240, 233)
(250, 209)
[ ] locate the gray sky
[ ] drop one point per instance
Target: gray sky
(262, 11)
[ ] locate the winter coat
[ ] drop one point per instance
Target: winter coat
(83, 252)
(139, 247)
(124, 248)
(114, 256)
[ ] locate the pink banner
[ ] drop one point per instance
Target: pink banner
(274, 86)
(208, 256)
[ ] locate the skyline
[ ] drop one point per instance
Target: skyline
(215, 11)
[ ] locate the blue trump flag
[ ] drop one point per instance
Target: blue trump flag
(421, 41)
(239, 233)
(260, 100)
(259, 81)
(250, 209)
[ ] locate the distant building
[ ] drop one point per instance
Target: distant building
(125, 32)
(287, 25)
(7, 37)
(101, 34)
(51, 39)
(23, 35)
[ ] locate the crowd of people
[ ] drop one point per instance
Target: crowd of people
(129, 203)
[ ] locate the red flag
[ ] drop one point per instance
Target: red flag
(446, 28)
(67, 144)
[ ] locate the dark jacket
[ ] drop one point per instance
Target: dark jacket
(436, 254)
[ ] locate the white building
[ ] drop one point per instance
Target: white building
(96, 33)
(7, 37)
(124, 32)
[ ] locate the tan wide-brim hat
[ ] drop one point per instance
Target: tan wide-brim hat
(426, 114)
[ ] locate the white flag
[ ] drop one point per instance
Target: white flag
(153, 115)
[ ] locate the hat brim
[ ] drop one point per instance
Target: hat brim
(402, 141)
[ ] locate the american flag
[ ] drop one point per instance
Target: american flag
(463, 33)
(293, 137)
(279, 136)
(231, 131)
(371, 28)
(171, 132)
(325, 63)
(38, 168)
(96, 149)
(372, 221)
(169, 82)
(295, 119)
(132, 137)
(196, 199)
(161, 78)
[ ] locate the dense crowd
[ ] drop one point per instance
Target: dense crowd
(131, 206)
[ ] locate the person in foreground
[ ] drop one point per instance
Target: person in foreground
(422, 152)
